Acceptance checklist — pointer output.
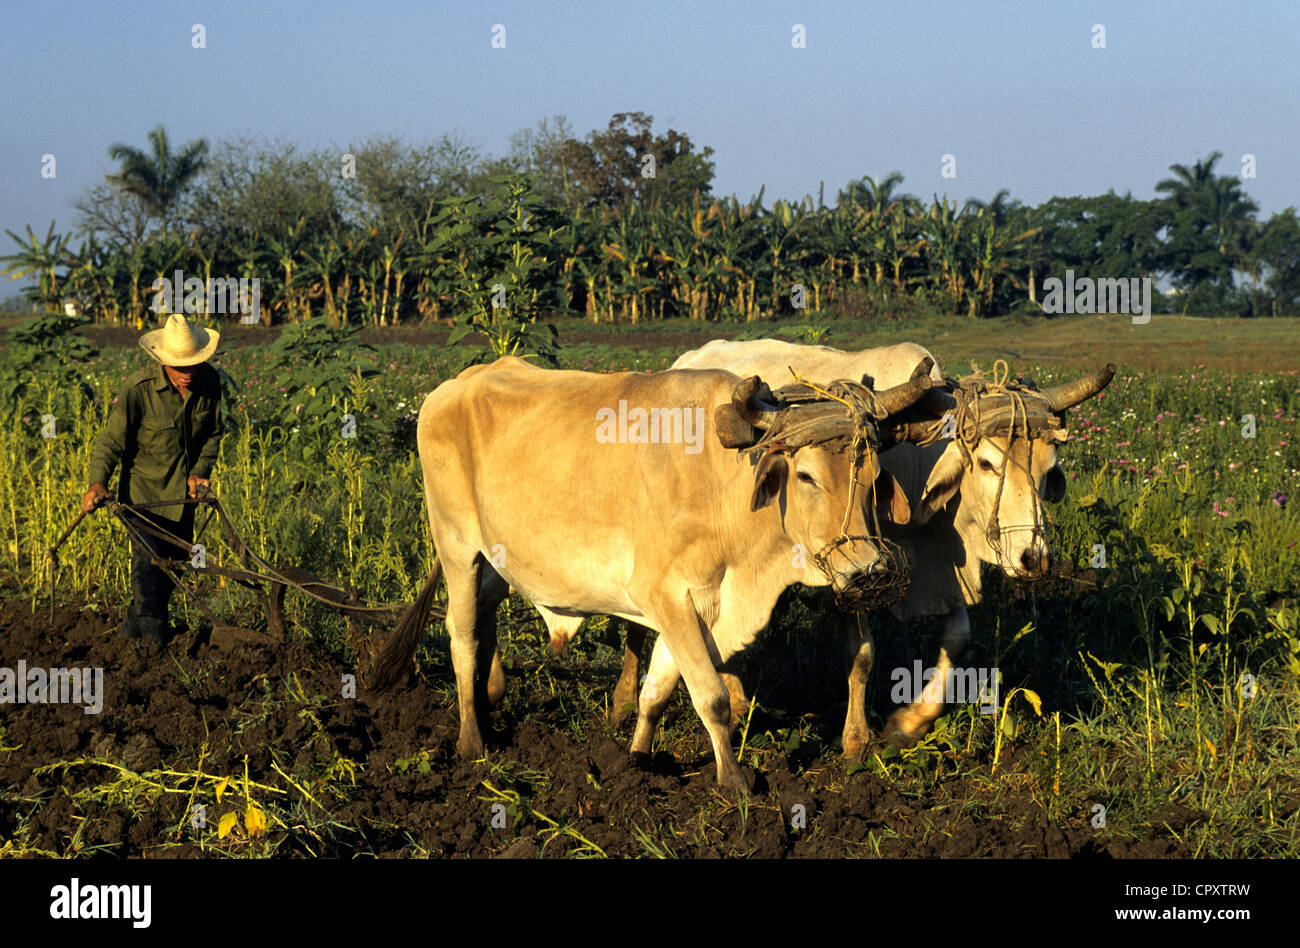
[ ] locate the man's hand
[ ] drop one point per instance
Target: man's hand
(195, 482)
(93, 498)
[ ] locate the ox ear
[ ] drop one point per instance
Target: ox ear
(1053, 490)
(891, 502)
(769, 479)
(941, 485)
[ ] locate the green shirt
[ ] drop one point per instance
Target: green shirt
(160, 438)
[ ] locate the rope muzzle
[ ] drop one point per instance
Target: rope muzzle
(887, 579)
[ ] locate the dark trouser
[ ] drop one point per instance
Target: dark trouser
(151, 586)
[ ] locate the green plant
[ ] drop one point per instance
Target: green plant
(46, 351)
(495, 253)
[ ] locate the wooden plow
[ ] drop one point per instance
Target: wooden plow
(269, 581)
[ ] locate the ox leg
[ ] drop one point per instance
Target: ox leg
(684, 638)
(462, 616)
(492, 589)
(908, 725)
(735, 696)
(660, 680)
(624, 698)
(859, 652)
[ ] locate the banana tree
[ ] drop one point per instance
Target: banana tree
(135, 263)
(732, 245)
(860, 245)
(289, 298)
(690, 267)
(633, 261)
(165, 254)
(901, 242)
(89, 279)
(945, 234)
(996, 255)
(41, 258)
(196, 242)
(778, 230)
(321, 262)
(253, 257)
(389, 256)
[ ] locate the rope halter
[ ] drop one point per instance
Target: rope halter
(845, 417)
(980, 407)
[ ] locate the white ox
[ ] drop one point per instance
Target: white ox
(954, 496)
(693, 540)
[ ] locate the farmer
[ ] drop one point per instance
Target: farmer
(165, 429)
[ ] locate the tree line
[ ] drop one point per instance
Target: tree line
(619, 225)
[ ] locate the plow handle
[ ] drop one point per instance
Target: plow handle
(67, 533)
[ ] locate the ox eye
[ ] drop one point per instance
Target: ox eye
(807, 478)
(985, 465)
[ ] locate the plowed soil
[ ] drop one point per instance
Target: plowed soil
(210, 703)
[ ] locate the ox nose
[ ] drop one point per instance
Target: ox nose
(1033, 561)
(876, 579)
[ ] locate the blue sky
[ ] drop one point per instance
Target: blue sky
(1014, 90)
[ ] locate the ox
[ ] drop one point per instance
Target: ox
(695, 541)
(975, 499)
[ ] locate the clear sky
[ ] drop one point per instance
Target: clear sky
(1014, 90)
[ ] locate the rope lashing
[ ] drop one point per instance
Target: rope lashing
(1001, 406)
(889, 578)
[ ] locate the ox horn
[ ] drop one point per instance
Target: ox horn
(1069, 394)
(893, 400)
(938, 402)
(753, 402)
(917, 432)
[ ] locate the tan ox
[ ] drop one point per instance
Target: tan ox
(961, 497)
(550, 482)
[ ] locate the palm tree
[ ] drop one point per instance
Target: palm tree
(160, 178)
(1211, 215)
(875, 195)
(1229, 212)
(998, 208)
(1188, 184)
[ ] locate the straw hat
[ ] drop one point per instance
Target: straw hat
(179, 343)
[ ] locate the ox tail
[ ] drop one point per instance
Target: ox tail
(393, 662)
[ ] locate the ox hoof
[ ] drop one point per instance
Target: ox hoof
(470, 748)
(623, 701)
(855, 746)
(902, 734)
(733, 778)
(619, 710)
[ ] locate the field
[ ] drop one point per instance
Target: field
(1150, 699)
